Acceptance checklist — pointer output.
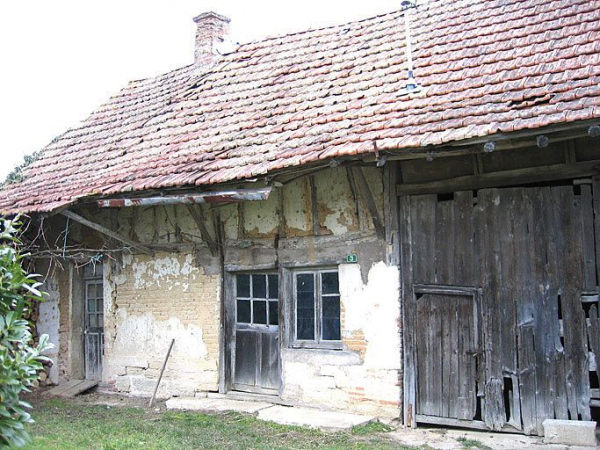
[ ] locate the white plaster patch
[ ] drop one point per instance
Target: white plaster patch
(161, 270)
(142, 342)
(332, 222)
(49, 323)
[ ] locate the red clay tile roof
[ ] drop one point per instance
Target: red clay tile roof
(487, 66)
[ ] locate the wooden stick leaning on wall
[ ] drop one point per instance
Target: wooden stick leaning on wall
(162, 370)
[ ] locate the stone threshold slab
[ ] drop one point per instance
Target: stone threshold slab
(215, 405)
(312, 418)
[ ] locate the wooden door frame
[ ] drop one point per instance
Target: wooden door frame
(408, 291)
(467, 291)
(84, 284)
(229, 320)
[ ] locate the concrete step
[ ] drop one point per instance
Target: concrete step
(215, 405)
(312, 418)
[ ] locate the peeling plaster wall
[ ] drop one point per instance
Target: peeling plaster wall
(176, 294)
(150, 301)
(49, 320)
(364, 377)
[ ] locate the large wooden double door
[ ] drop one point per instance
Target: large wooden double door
(500, 306)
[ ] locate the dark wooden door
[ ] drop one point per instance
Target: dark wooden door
(531, 254)
(256, 356)
(93, 322)
(447, 347)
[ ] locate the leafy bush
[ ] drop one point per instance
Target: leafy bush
(19, 360)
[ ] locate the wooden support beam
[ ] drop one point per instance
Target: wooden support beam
(101, 229)
(390, 213)
(570, 155)
(282, 222)
(503, 178)
(314, 206)
(212, 246)
(353, 189)
(366, 194)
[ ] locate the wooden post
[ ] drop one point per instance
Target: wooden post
(161, 373)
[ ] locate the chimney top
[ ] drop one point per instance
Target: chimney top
(212, 30)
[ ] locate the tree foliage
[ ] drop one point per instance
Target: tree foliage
(20, 360)
(18, 173)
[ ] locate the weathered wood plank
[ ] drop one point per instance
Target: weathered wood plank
(246, 357)
(206, 237)
(95, 226)
(365, 192)
(594, 335)
(524, 313)
(463, 240)
(490, 248)
(390, 214)
(576, 352)
(503, 179)
(408, 313)
(444, 243)
(543, 294)
(314, 206)
(446, 363)
(596, 207)
(423, 218)
(589, 251)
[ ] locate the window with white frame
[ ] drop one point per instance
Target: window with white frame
(257, 299)
(317, 308)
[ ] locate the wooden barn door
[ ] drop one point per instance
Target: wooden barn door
(515, 352)
(256, 355)
(447, 343)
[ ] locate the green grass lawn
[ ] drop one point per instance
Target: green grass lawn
(69, 425)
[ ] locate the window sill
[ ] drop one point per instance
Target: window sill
(337, 346)
(328, 356)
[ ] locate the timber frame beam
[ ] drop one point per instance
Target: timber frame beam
(503, 178)
(212, 246)
(106, 231)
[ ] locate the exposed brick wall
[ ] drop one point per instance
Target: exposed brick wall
(212, 29)
(154, 300)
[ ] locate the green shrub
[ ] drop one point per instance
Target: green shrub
(19, 360)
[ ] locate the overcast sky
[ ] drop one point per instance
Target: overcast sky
(60, 59)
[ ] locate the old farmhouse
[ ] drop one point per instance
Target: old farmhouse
(314, 219)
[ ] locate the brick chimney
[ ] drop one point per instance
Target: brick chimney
(212, 30)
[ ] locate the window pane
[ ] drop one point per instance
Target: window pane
(330, 283)
(91, 305)
(305, 328)
(93, 323)
(259, 286)
(100, 320)
(99, 306)
(243, 285)
(260, 312)
(305, 282)
(331, 329)
(331, 318)
(305, 300)
(273, 313)
(273, 286)
(243, 311)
